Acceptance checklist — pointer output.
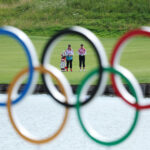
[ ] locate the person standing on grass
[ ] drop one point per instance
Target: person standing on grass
(69, 57)
(82, 53)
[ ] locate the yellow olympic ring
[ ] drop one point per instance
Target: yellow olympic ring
(9, 108)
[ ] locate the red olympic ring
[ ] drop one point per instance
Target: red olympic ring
(114, 61)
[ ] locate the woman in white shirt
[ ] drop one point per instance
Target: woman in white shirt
(69, 57)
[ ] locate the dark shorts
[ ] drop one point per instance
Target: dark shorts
(81, 61)
(69, 62)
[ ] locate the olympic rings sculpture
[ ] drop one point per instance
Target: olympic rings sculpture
(66, 95)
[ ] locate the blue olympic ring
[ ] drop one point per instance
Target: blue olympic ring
(4, 31)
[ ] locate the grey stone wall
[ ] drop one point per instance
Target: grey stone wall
(108, 91)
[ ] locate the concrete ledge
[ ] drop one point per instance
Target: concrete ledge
(108, 91)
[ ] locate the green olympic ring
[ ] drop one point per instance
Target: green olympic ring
(78, 104)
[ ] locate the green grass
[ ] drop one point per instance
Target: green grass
(137, 60)
(135, 57)
(107, 18)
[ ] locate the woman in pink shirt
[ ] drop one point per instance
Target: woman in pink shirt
(82, 52)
